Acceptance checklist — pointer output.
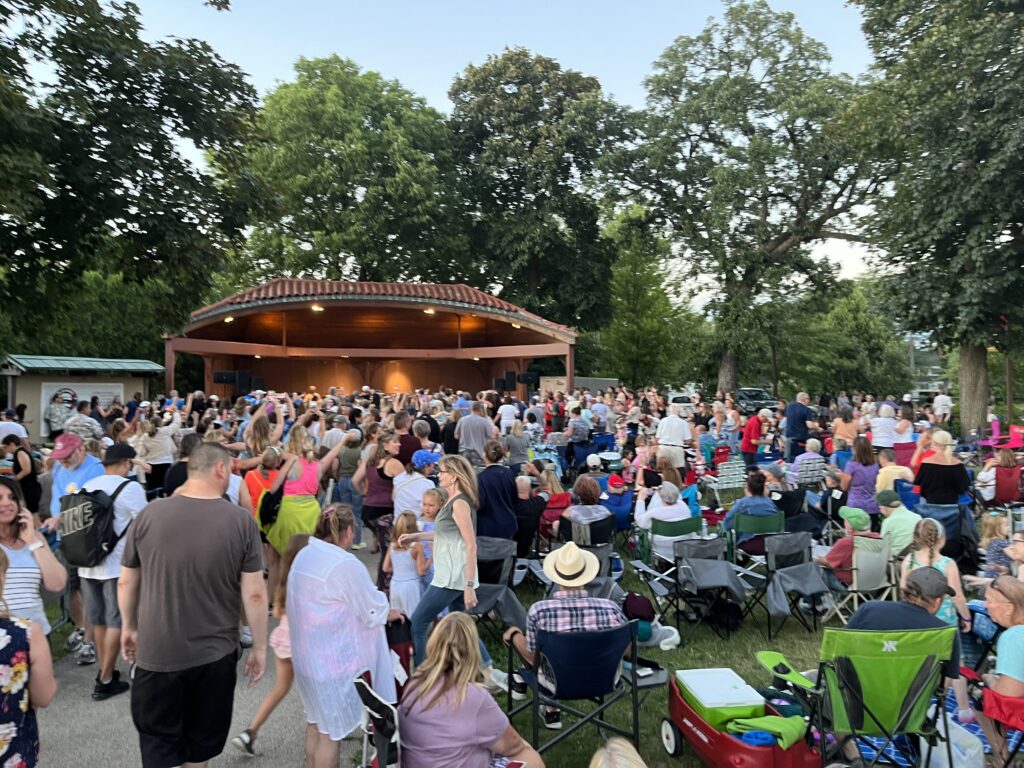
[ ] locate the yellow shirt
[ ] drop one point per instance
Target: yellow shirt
(887, 477)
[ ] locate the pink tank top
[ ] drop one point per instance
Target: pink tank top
(308, 483)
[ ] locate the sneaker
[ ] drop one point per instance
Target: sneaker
(243, 743)
(553, 720)
(86, 654)
(519, 688)
(116, 685)
(75, 640)
(245, 637)
(496, 682)
(358, 546)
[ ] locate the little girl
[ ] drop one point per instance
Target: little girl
(407, 564)
(995, 538)
(929, 538)
(431, 504)
(642, 457)
(282, 647)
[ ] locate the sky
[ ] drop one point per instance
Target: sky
(425, 44)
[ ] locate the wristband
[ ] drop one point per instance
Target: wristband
(36, 545)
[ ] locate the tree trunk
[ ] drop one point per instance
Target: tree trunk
(775, 371)
(1009, 389)
(727, 371)
(974, 391)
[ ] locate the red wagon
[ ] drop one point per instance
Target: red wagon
(722, 750)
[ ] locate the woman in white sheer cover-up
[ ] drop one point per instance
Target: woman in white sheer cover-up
(336, 620)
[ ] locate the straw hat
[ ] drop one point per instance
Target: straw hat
(571, 566)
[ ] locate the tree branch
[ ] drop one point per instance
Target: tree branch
(829, 234)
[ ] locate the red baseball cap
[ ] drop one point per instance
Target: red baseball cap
(66, 444)
(614, 481)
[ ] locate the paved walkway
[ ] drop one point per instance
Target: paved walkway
(77, 731)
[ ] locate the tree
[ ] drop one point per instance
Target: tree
(745, 162)
(949, 109)
(527, 135)
(354, 179)
(92, 176)
(639, 343)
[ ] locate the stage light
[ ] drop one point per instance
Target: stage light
(317, 308)
(229, 319)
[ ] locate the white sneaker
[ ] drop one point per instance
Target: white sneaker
(497, 681)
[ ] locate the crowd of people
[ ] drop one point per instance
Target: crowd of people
(263, 500)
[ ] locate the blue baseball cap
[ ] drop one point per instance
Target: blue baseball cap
(423, 458)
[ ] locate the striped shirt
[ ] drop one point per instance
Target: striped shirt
(571, 610)
(23, 587)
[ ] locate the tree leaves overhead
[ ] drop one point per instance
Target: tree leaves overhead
(94, 175)
(744, 162)
(527, 136)
(949, 107)
(356, 180)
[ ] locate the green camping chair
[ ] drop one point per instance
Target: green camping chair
(873, 683)
(645, 538)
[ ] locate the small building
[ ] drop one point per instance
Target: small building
(292, 334)
(35, 379)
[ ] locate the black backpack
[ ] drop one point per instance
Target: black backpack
(270, 506)
(87, 526)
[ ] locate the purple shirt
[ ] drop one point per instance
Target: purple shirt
(862, 486)
(449, 735)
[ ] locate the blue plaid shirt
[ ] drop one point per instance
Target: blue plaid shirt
(571, 610)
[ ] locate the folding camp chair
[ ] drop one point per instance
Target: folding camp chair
(588, 534)
(871, 577)
(756, 525)
(731, 474)
(693, 587)
(907, 494)
(669, 529)
(581, 666)
(1007, 712)
(873, 683)
(380, 724)
(811, 473)
(495, 560)
(790, 574)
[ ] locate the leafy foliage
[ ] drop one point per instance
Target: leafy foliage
(527, 136)
(949, 109)
(744, 161)
(353, 179)
(92, 176)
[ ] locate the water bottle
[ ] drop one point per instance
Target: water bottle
(703, 526)
(617, 567)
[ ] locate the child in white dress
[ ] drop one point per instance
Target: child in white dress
(406, 566)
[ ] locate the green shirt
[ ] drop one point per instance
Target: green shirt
(898, 529)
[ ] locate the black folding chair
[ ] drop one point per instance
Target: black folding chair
(380, 725)
(581, 666)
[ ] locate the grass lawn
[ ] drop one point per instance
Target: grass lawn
(706, 649)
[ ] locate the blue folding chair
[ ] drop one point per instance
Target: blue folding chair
(905, 490)
(604, 441)
(581, 666)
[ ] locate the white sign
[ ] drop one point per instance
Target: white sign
(73, 391)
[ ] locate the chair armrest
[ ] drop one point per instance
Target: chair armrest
(779, 666)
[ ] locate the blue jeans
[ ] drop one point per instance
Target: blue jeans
(435, 600)
(346, 493)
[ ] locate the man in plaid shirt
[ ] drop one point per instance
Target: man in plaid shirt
(570, 609)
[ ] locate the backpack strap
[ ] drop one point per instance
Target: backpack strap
(113, 498)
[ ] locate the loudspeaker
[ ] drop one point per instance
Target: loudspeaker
(499, 384)
(258, 383)
(223, 377)
(525, 378)
(242, 382)
(510, 381)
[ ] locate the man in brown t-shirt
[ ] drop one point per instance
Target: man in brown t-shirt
(191, 563)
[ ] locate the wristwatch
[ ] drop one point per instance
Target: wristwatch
(36, 545)
(470, 584)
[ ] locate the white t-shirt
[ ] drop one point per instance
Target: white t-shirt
(674, 430)
(508, 413)
(11, 428)
(409, 490)
(942, 405)
(127, 506)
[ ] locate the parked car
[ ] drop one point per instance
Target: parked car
(752, 399)
(683, 400)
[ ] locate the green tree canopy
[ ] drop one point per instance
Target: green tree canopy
(949, 109)
(92, 176)
(527, 135)
(744, 161)
(355, 180)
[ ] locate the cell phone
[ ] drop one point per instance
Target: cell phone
(651, 478)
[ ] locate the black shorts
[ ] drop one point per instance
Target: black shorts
(185, 716)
